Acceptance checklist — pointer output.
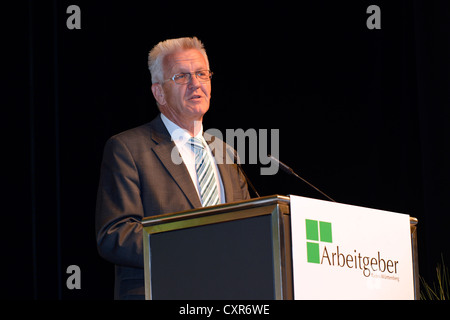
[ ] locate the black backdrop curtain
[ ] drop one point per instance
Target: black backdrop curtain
(363, 114)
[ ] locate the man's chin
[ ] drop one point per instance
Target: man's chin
(197, 109)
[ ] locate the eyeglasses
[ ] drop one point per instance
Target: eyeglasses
(185, 77)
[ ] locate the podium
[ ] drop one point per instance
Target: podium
(241, 250)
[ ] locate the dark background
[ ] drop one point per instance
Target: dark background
(363, 114)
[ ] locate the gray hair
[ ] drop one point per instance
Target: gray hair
(167, 47)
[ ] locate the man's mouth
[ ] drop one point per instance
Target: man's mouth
(195, 97)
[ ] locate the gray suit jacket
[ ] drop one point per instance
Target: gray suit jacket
(138, 179)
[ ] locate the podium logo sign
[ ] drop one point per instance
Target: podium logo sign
(320, 231)
(341, 251)
(314, 229)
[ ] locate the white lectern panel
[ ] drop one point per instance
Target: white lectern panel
(342, 251)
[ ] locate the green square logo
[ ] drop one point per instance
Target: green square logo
(313, 252)
(325, 232)
(317, 231)
(312, 230)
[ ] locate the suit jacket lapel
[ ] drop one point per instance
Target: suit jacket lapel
(225, 175)
(163, 150)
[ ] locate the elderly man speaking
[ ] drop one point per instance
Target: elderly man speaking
(139, 175)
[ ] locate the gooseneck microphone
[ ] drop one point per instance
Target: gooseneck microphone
(289, 170)
(248, 180)
(236, 160)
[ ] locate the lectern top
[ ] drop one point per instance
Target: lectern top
(214, 210)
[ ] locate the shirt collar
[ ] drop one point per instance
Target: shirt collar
(178, 134)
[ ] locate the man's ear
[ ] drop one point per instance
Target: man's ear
(158, 93)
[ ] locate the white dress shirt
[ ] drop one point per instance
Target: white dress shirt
(180, 137)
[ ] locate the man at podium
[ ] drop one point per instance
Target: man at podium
(164, 166)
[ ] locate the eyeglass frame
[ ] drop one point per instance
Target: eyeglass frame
(190, 77)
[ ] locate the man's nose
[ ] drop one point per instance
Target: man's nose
(194, 83)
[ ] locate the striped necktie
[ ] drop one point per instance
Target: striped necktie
(205, 174)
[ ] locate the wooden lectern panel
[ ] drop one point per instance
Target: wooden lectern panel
(230, 251)
(229, 260)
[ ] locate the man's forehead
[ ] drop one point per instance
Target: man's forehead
(188, 58)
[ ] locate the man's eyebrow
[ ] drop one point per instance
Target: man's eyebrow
(182, 70)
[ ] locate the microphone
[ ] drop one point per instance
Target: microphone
(236, 160)
(289, 170)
